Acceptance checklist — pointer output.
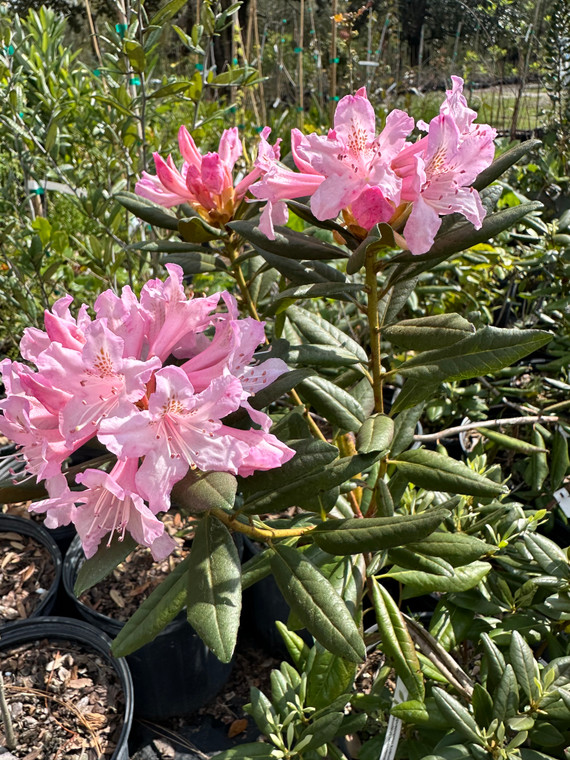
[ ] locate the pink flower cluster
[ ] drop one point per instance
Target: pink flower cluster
(151, 379)
(205, 182)
(382, 178)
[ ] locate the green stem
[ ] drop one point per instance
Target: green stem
(374, 326)
(259, 534)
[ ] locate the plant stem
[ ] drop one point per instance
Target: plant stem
(374, 326)
(259, 534)
(6, 717)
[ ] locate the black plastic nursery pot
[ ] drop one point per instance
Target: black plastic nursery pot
(25, 527)
(173, 675)
(61, 629)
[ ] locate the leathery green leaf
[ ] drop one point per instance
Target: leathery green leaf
(200, 491)
(315, 329)
(251, 751)
(456, 548)
(103, 562)
(415, 561)
(147, 211)
(214, 588)
(524, 665)
(397, 643)
(328, 678)
(480, 353)
(457, 715)
(157, 610)
(418, 583)
(424, 333)
(313, 599)
(428, 469)
(288, 243)
(375, 434)
(333, 403)
(354, 535)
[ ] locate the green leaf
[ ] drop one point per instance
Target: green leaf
(560, 462)
(320, 356)
(168, 11)
(397, 643)
(494, 662)
(482, 706)
(426, 333)
(414, 561)
(298, 650)
(103, 562)
(288, 243)
(214, 588)
(316, 329)
(333, 403)
(317, 290)
(405, 425)
(200, 491)
(547, 735)
(508, 442)
(304, 212)
(524, 665)
(195, 263)
(506, 696)
(481, 353)
(196, 230)
(459, 718)
(311, 596)
(418, 583)
(147, 211)
(319, 731)
(503, 162)
(135, 54)
(375, 434)
(451, 625)
(306, 490)
(157, 610)
(329, 677)
(456, 548)
(437, 472)
(353, 535)
(551, 559)
(171, 89)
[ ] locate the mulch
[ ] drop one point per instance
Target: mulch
(65, 702)
(26, 574)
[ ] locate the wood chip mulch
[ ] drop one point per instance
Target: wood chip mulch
(26, 574)
(65, 702)
(121, 593)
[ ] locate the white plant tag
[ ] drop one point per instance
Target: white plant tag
(394, 724)
(563, 498)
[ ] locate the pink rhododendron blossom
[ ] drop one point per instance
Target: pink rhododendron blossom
(371, 178)
(205, 181)
(350, 168)
(112, 378)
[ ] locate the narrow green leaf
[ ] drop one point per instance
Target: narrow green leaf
(509, 442)
(168, 11)
(481, 353)
(506, 696)
(317, 290)
(405, 424)
(428, 469)
(412, 560)
(311, 596)
(375, 434)
(397, 643)
(493, 661)
(316, 329)
(171, 89)
(135, 54)
(214, 587)
(450, 624)
(200, 491)
(560, 461)
(329, 677)
(459, 718)
(298, 650)
(524, 665)
(320, 356)
(195, 263)
(157, 610)
(319, 731)
(196, 230)
(288, 243)
(353, 535)
(551, 559)
(333, 403)
(147, 211)
(482, 706)
(418, 583)
(433, 332)
(456, 548)
(103, 562)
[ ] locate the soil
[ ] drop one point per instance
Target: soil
(120, 594)
(65, 702)
(26, 574)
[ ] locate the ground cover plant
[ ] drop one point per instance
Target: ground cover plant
(317, 304)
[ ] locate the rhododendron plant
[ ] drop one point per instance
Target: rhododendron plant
(106, 378)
